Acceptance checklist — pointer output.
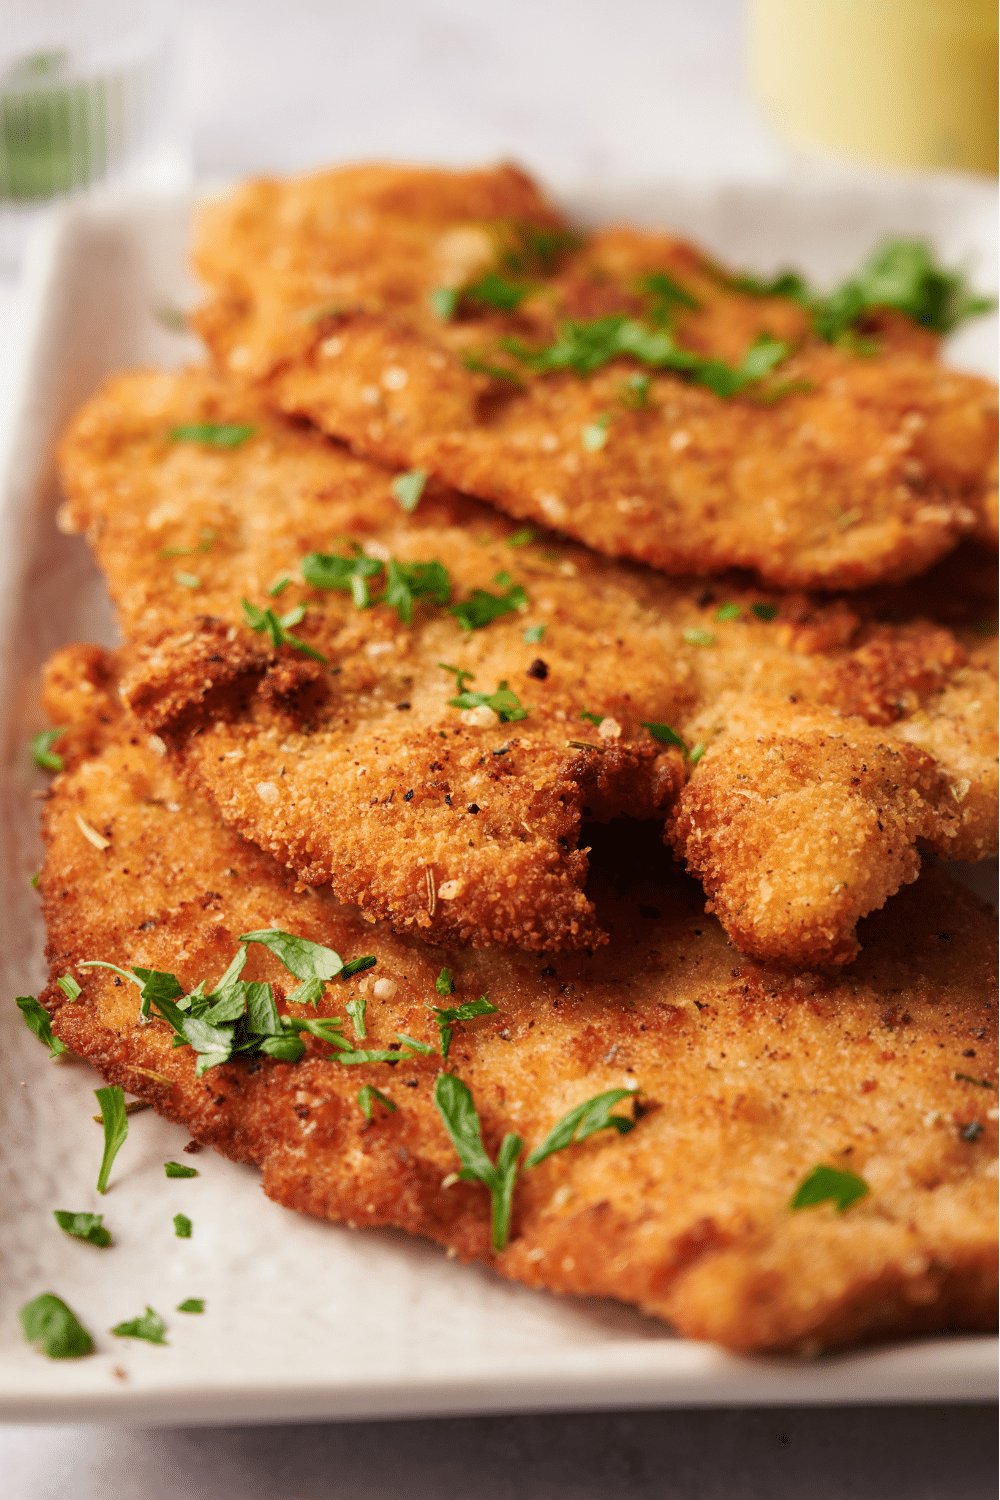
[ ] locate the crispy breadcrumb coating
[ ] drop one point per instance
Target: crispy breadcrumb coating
(358, 772)
(839, 470)
(744, 1078)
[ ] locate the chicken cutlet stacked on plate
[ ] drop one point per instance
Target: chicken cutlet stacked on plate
(364, 708)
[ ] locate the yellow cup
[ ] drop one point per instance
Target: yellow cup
(899, 82)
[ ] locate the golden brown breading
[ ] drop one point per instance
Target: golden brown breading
(868, 468)
(316, 767)
(745, 1078)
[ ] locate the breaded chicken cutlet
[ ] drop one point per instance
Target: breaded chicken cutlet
(743, 1079)
(835, 743)
(622, 388)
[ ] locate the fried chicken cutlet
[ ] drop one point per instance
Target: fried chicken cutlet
(361, 772)
(578, 385)
(743, 1079)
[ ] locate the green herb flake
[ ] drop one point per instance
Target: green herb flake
(595, 434)
(587, 1118)
(665, 294)
(445, 983)
(192, 1305)
(697, 751)
(444, 302)
(265, 619)
(591, 718)
(87, 1227)
(406, 582)
(446, 1017)
(300, 957)
(764, 612)
(497, 292)
(149, 1326)
(534, 634)
(522, 538)
(177, 1169)
(111, 1101)
(356, 1010)
(182, 1226)
(829, 1185)
(41, 749)
(980, 1083)
(358, 966)
(503, 702)
(699, 638)
(484, 607)
(188, 580)
(212, 434)
(279, 585)
(378, 1055)
(461, 1120)
(728, 612)
(408, 488)
(69, 987)
(36, 1018)
(461, 676)
(665, 735)
(367, 1097)
(48, 1321)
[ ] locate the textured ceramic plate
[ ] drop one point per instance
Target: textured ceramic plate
(305, 1320)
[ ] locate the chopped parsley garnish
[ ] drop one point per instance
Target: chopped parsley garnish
(188, 580)
(448, 1015)
(192, 1305)
(182, 1226)
(408, 488)
(444, 301)
(697, 751)
(88, 1227)
(480, 366)
(664, 295)
(981, 1083)
(699, 638)
(69, 987)
(764, 612)
(41, 749)
(300, 957)
(665, 735)
(265, 619)
(728, 612)
(503, 702)
(213, 434)
(356, 1010)
(445, 984)
(457, 1110)
(633, 393)
(177, 1169)
(358, 966)
(521, 538)
(404, 582)
(829, 1185)
(531, 251)
(36, 1018)
(591, 718)
(48, 1321)
(279, 586)
(588, 346)
(367, 1097)
(460, 675)
(149, 1326)
(413, 1044)
(587, 1118)
(533, 634)
(474, 613)
(496, 291)
(381, 1055)
(595, 434)
(111, 1101)
(902, 274)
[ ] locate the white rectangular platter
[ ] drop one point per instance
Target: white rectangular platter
(305, 1320)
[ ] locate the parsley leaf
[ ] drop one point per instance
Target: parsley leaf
(213, 434)
(408, 581)
(533, 634)
(665, 735)
(699, 638)
(474, 613)
(496, 291)
(36, 1018)
(444, 301)
(728, 612)
(149, 1326)
(447, 1016)
(69, 987)
(521, 538)
(827, 1184)
(86, 1227)
(386, 1055)
(325, 570)
(408, 488)
(182, 1226)
(265, 619)
(593, 1115)
(697, 751)
(595, 434)
(358, 966)
(41, 749)
(367, 1095)
(112, 1106)
(356, 1010)
(591, 718)
(444, 983)
(302, 958)
(503, 702)
(188, 580)
(177, 1169)
(457, 1110)
(192, 1305)
(665, 294)
(460, 675)
(47, 1319)
(764, 612)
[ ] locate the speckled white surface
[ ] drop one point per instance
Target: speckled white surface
(306, 1320)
